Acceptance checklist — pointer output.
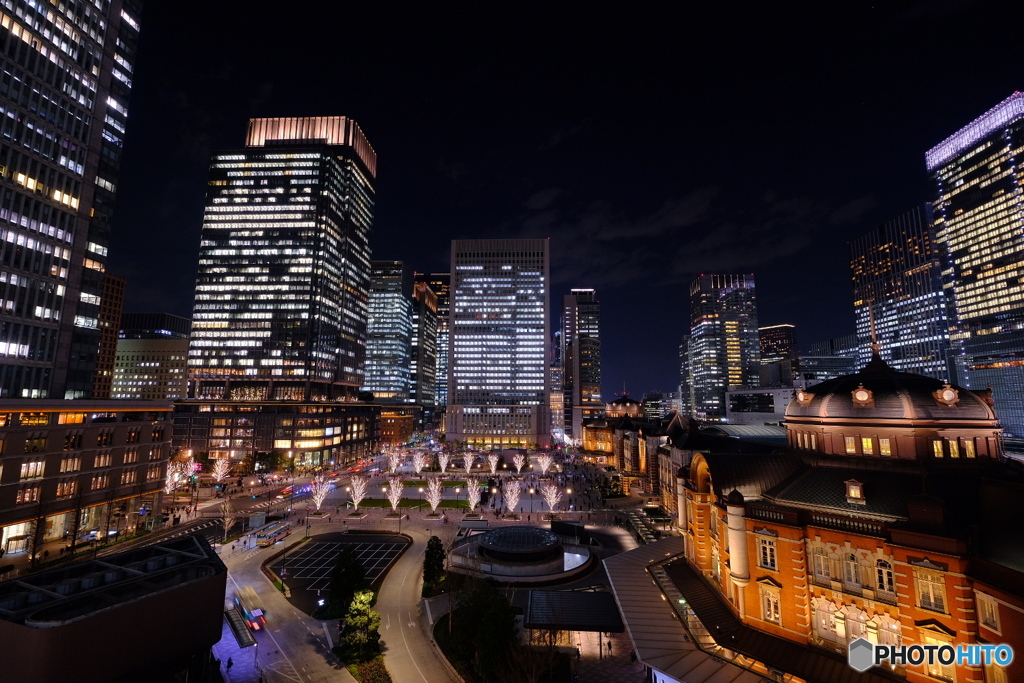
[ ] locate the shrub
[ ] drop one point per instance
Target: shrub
(374, 671)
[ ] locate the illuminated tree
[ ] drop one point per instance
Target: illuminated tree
(468, 458)
(492, 460)
(394, 460)
(443, 458)
(319, 488)
(510, 491)
(178, 471)
(435, 491)
(227, 516)
(519, 461)
(551, 494)
(395, 488)
(472, 493)
(221, 468)
(359, 485)
(545, 460)
(419, 460)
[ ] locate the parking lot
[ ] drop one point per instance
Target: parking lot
(308, 567)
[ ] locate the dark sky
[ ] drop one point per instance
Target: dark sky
(650, 146)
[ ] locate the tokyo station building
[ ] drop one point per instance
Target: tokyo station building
(891, 515)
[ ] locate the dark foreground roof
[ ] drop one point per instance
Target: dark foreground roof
(812, 665)
(573, 611)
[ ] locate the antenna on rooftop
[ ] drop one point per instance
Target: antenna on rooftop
(875, 346)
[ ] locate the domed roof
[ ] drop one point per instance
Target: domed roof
(880, 392)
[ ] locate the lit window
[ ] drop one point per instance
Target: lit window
(854, 491)
(767, 555)
(883, 577)
(883, 447)
(954, 449)
(968, 448)
(851, 445)
(770, 605)
(937, 448)
(867, 445)
(931, 590)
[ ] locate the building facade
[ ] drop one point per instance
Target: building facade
(283, 286)
(151, 370)
(65, 85)
(778, 342)
(723, 350)
(77, 470)
(389, 333)
(424, 349)
(898, 298)
(979, 227)
(440, 284)
(581, 359)
(499, 329)
(109, 322)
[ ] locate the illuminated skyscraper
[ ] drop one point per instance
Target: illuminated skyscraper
(284, 264)
(499, 333)
(979, 226)
(581, 359)
(439, 284)
(896, 281)
(389, 333)
(723, 350)
(424, 348)
(65, 80)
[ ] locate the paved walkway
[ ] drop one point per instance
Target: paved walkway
(608, 666)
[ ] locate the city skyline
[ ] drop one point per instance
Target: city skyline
(740, 157)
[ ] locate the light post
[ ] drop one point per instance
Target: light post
(420, 503)
(348, 492)
(457, 497)
(532, 491)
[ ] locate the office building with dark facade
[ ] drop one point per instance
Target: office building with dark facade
(723, 350)
(65, 80)
(440, 284)
(389, 333)
(897, 295)
(581, 359)
(778, 342)
(424, 348)
(979, 227)
(278, 346)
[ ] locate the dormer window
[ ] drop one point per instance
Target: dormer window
(862, 398)
(855, 492)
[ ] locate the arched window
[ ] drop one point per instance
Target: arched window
(820, 564)
(883, 577)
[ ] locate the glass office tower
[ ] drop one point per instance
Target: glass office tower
(439, 283)
(979, 225)
(424, 348)
(581, 359)
(390, 332)
(498, 392)
(65, 80)
(897, 287)
(282, 292)
(723, 350)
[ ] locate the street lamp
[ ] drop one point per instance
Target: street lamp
(532, 491)
(420, 504)
(457, 497)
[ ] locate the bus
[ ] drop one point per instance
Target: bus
(250, 607)
(286, 492)
(272, 533)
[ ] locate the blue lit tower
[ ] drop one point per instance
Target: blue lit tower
(65, 79)
(979, 223)
(897, 287)
(724, 349)
(282, 292)
(390, 333)
(498, 390)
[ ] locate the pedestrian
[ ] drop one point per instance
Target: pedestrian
(579, 655)
(46, 554)
(609, 650)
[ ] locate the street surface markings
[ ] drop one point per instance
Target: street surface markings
(315, 561)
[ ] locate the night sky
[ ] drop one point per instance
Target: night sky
(650, 146)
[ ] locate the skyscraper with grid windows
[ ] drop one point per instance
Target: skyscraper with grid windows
(65, 79)
(498, 391)
(282, 293)
(581, 359)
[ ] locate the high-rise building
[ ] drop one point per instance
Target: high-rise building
(581, 359)
(897, 295)
(65, 85)
(424, 348)
(152, 357)
(109, 321)
(439, 283)
(498, 339)
(389, 333)
(778, 342)
(154, 326)
(723, 350)
(979, 227)
(284, 264)
(847, 346)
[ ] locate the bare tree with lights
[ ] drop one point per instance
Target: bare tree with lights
(227, 516)
(492, 460)
(511, 491)
(359, 484)
(395, 488)
(545, 460)
(443, 458)
(519, 461)
(177, 472)
(319, 488)
(468, 458)
(472, 493)
(419, 460)
(435, 492)
(551, 494)
(394, 460)
(221, 468)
